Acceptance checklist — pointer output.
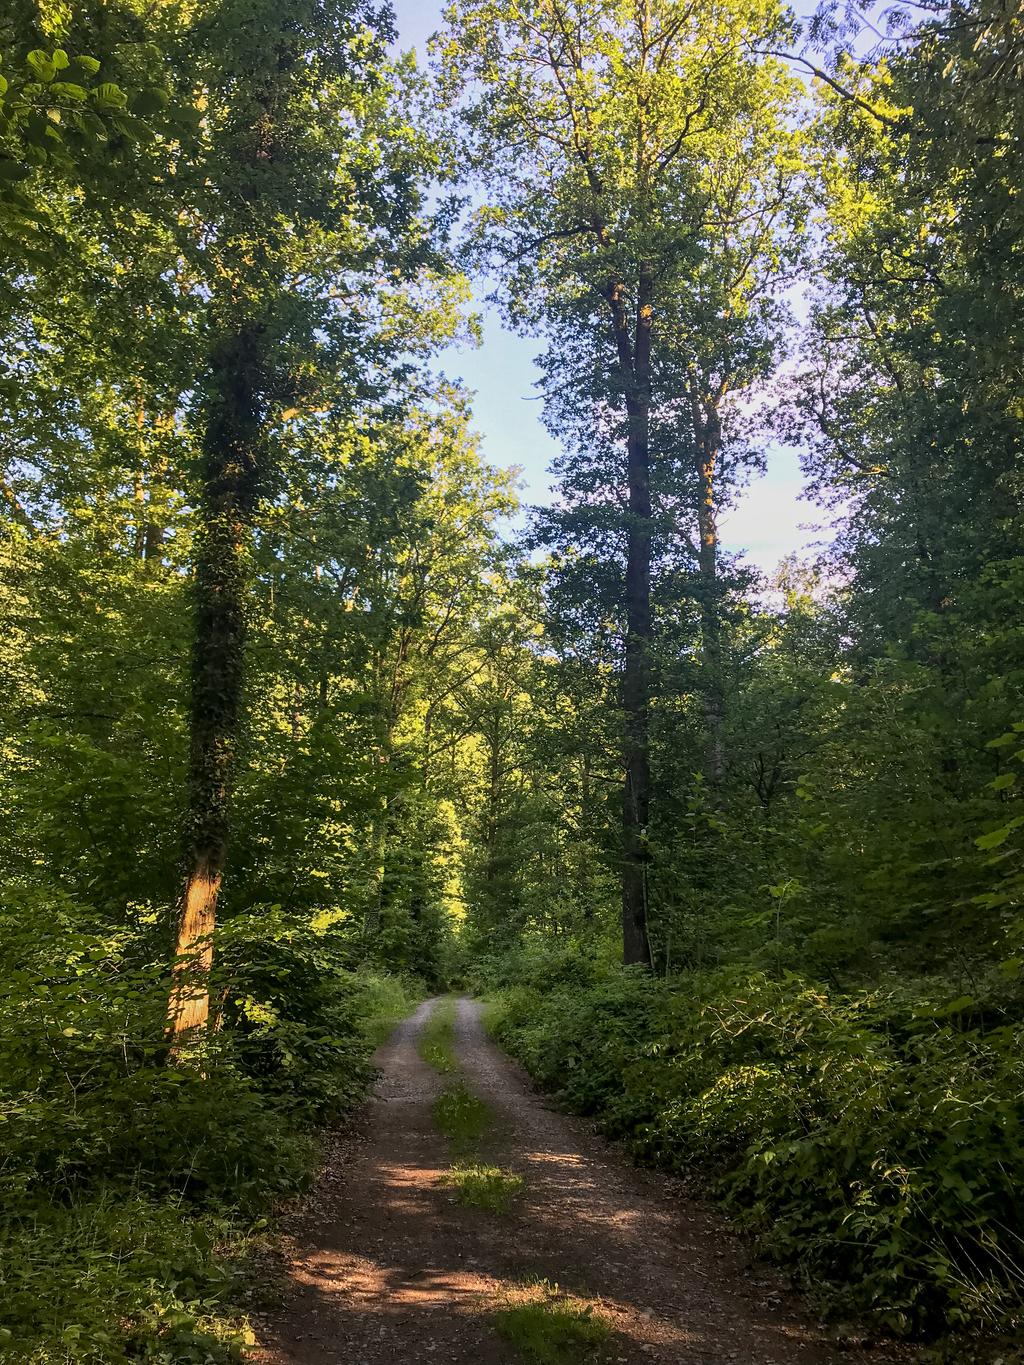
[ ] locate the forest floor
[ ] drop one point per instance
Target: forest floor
(593, 1260)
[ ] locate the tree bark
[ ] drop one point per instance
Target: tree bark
(493, 794)
(707, 432)
(234, 460)
(378, 852)
(635, 371)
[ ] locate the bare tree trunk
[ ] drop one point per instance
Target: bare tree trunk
(189, 1007)
(707, 433)
(234, 458)
(378, 849)
(635, 370)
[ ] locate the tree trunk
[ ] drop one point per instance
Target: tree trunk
(378, 851)
(234, 459)
(707, 432)
(635, 371)
(493, 803)
(190, 993)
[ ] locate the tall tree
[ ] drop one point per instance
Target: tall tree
(294, 205)
(594, 125)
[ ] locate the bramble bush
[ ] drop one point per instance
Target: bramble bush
(870, 1141)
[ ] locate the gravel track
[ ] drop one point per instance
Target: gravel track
(384, 1267)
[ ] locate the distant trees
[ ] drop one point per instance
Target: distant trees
(822, 759)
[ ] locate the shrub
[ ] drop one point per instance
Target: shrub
(873, 1145)
(115, 1277)
(126, 1184)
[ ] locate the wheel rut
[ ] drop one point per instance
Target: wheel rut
(384, 1266)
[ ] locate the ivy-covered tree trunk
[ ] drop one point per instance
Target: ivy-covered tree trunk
(634, 356)
(234, 460)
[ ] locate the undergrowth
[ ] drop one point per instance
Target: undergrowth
(870, 1141)
(135, 1196)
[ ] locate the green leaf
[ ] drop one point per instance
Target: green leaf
(957, 1006)
(42, 67)
(995, 837)
(110, 95)
(149, 101)
(89, 64)
(69, 90)
(1002, 741)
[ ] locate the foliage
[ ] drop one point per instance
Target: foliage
(130, 1189)
(868, 1138)
(117, 1277)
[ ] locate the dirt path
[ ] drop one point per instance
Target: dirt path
(386, 1268)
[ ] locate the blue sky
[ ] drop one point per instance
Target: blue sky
(771, 518)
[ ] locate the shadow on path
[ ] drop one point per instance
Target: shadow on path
(384, 1267)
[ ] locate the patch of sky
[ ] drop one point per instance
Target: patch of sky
(770, 519)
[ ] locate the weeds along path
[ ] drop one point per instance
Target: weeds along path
(468, 1222)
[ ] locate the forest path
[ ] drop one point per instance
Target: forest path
(384, 1266)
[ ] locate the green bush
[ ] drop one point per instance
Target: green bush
(126, 1185)
(116, 1277)
(292, 1005)
(875, 1146)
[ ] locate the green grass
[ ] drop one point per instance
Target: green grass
(554, 1329)
(484, 1187)
(437, 1041)
(462, 1117)
(466, 1121)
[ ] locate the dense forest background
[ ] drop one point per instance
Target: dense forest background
(295, 728)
